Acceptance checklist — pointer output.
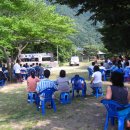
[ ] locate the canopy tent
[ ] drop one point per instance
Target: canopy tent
(100, 53)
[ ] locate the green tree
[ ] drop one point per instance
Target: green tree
(113, 14)
(27, 22)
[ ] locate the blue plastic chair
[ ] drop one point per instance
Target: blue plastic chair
(31, 97)
(90, 72)
(115, 110)
(24, 74)
(98, 92)
(2, 83)
(65, 98)
(48, 93)
(123, 115)
(79, 87)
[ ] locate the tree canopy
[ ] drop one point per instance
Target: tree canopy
(26, 22)
(115, 16)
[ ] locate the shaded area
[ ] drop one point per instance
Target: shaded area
(82, 114)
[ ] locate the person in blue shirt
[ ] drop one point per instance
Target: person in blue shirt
(79, 84)
(127, 72)
(37, 68)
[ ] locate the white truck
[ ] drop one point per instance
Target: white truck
(74, 61)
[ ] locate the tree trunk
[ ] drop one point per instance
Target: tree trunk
(20, 49)
(8, 62)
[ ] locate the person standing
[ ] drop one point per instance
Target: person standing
(17, 72)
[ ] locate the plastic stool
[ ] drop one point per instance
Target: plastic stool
(65, 98)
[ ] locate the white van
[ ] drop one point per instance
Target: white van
(74, 60)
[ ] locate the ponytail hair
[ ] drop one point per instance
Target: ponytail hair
(33, 74)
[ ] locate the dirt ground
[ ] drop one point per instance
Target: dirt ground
(81, 114)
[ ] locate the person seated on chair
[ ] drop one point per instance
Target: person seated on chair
(2, 76)
(119, 68)
(106, 65)
(31, 68)
(114, 67)
(117, 91)
(92, 66)
(127, 72)
(63, 82)
(79, 84)
(96, 80)
(41, 71)
(32, 81)
(37, 69)
(44, 84)
(102, 67)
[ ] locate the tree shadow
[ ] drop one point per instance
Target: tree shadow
(82, 113)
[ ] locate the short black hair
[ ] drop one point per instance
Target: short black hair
(101, 63)
(47, 73)
(62, 73)
(17, 61)
(96, 68)
(117, 79)
(93, 63)
(32, 74)
(40, 64)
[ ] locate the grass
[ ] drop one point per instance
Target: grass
(82, 114)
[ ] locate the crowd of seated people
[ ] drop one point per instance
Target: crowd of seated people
(116, 91)
(117, 64)
(22, 72)
(61, 84)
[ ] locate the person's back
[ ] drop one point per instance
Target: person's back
(92, 66)
(17, 68)
(63, 82)
(127, 70)
(119, 94)
(102, 67)
(45, 83)
(117, 91)
(32, 82)
(97, 77)
(30, 69)
(41, 70)
(78, 83)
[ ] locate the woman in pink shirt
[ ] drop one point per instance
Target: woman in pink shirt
(32, 82)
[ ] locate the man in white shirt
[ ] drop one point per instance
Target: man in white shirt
(17, 69)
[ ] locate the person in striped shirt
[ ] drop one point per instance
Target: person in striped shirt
(44, 84)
